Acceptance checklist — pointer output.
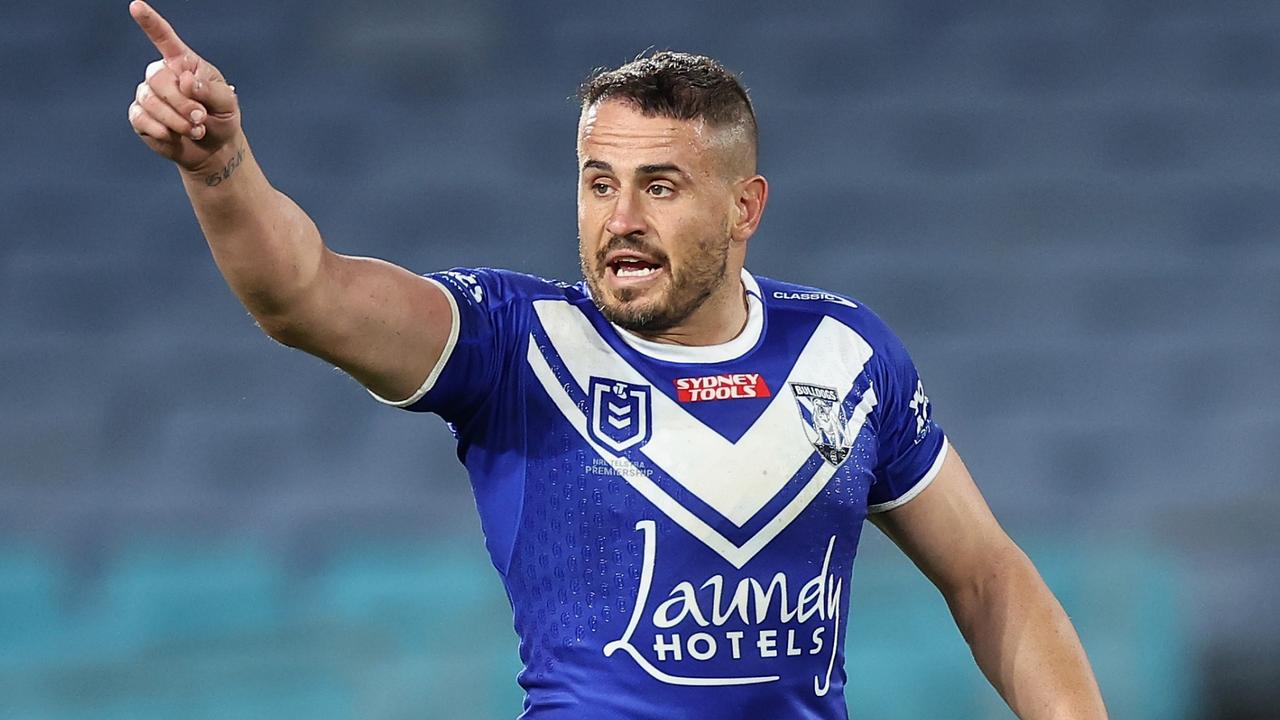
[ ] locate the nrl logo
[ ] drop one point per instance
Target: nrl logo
(822, 416)
(620, 414)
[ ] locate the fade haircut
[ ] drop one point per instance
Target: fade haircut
(681, 86)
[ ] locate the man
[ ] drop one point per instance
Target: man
(672, 460)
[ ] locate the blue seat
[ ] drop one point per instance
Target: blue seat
(141, 689)
(156, 593)
(1124, 603)
(33, 585)
(425, 591)
(439, 615)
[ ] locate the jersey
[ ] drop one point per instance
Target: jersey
(676, 526)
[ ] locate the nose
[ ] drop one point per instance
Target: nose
(627, 217)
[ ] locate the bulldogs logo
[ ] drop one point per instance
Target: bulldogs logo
(825, 424)
(620, 414)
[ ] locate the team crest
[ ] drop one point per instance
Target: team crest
(620, 414)
(825, 424)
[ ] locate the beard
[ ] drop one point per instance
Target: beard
(686, 289)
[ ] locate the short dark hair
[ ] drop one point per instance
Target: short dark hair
(677, 85)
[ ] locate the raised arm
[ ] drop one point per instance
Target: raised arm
(381, 323)
(1019, 634)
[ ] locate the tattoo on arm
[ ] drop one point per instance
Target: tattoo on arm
(218, 178)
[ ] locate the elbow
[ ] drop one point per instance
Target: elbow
(305, 328)
(290, 313)
(290, 318)
(989, 584)
(280, 321)
(283, 329)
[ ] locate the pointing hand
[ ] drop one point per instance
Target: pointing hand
(183, 109)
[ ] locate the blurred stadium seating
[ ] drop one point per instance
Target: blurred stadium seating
(385, 630)
(1068, 211)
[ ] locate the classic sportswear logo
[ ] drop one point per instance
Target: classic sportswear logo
(721, 387)
(819, 296)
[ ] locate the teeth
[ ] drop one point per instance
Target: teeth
(636, 272)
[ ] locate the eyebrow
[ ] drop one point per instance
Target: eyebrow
(652, 169)
(661, 168)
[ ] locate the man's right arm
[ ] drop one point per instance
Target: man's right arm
(379, 322)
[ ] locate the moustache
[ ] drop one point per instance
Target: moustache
(630, 242)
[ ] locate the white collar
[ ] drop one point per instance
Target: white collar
(706, 354)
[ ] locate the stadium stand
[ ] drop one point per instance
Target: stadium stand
(1068, 211)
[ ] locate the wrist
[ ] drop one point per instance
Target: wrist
(220, 166)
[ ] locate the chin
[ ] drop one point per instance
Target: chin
(650, 310)
(638, 316)
(650, 315)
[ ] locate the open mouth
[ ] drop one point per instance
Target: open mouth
(627, 267)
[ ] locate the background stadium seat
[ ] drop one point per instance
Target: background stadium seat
(1067, 211)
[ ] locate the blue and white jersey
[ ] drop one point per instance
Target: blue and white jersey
(676, 526)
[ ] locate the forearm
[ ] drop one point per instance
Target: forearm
(1025, 644)
(266, 247)
(384, 325)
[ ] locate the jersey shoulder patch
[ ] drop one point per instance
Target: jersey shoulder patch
(493, 288)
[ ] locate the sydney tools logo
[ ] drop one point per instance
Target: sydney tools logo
(721, 387)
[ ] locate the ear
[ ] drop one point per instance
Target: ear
(752, 194)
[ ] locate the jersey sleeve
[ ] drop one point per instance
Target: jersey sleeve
(478, 346)
(911, 446)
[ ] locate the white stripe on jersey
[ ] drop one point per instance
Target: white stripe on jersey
(735, 479)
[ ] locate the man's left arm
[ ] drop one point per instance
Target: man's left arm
(1019, 634)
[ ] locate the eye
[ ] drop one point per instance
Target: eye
(600, 189)
(657, 190)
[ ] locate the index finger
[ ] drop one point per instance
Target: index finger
(158, 30)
